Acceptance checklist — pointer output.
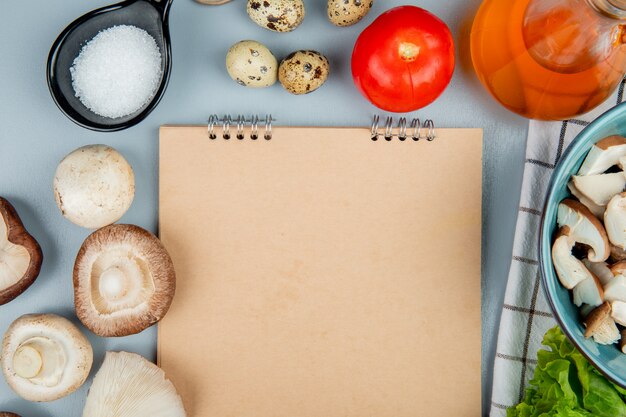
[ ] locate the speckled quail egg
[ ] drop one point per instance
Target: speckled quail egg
(302, 72)
(276, 15)
(251, 64)
(348, 12)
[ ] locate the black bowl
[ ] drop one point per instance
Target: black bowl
(149, 15)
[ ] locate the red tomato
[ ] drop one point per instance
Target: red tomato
(404, 60)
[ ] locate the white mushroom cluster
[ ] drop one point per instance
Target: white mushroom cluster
(589, 250)
(45, 357)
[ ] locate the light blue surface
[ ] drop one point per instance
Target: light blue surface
(34, 136)
(608, 359)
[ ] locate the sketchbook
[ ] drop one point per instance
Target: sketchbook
(322, 272)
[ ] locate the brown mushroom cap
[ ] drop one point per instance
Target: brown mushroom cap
(17, 235)
(7, 414)
(124, 280)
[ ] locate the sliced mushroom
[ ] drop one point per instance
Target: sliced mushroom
(615, 220)
(20, 254)
(622, 342)
(601, 326)
(133, 387)
(600, 188)
(584, 228)
(597, 210)
(124, 281)
(603, 155)
(600, 270)
(589, 292)
(615, 289)
(570, 270)
(45, 357)
(618, 312)
(94, 186)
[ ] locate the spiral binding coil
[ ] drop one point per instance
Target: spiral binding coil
(239, 123)
(419, 130)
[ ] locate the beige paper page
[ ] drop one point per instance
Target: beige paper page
(322, 274)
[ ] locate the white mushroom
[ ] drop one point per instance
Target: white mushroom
(601, 326)
(600, 270)
(584, 228)
(597, 210)
(45, 357)
(615, 220)
(570, 270)
(127, 385)
(603, 155)
(124, 280)
(20, 254)
(618, 312)
(600, 188)
(94, 186)
(589, 292)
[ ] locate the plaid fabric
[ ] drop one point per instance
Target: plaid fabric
(526, 314)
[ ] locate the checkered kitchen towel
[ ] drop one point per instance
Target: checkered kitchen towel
(526, 315)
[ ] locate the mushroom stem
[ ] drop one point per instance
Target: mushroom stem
(27, 362)
(113, 284)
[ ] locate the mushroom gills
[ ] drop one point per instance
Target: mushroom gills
(601, 326)
(600, 188)
(14, 259)
(133, 387)
(40, 360)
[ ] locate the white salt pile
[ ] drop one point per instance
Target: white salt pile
(118, 71)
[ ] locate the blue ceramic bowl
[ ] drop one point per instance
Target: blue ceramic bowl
(607, 359)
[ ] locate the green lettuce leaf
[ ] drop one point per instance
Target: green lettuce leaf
(565, 384)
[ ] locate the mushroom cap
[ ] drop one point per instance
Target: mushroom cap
(124, 280)
(570, 270)
(603, 155)
(600, 188)
(584, 228)
(7, 414)
(20, 254)
(94, 186)
(601, 326)
(133, 387)
(615, 220)
(45, 357)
